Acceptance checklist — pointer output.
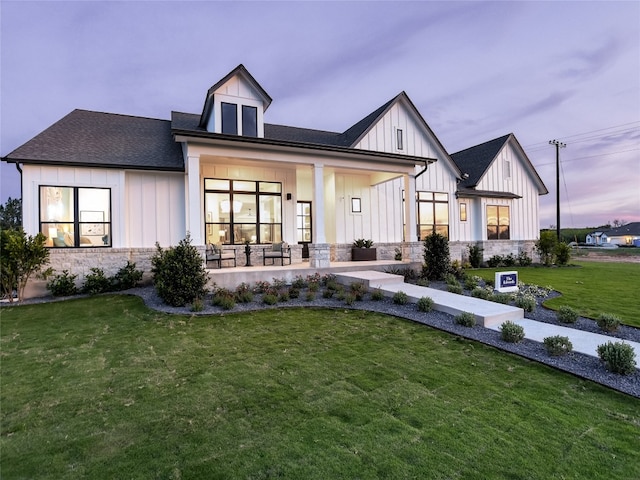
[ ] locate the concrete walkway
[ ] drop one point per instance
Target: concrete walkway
(488, 314)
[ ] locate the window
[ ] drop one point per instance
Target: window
(463, 212)
(399, 142)
(356, 205)
(249, 121)
(507, 169)
(498, 220)
(229, 118)
(75, 217)
(240, 211)
(433, 214)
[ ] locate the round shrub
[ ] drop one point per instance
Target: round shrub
(608, 322)
(524, 260)
(349, 298)
(503, 298)
(294, 292)
(475, 256)
(457, 289)
(480, 292)
(466, 319)
(127, 277)
(377, 295)
(566, 314)
(269, 299)
(179, 275)
(495, 261)
(197, 305)
(400, 298)
(422, 282)
(425, 304)
(310, 296)
(358, 289)
(511, 332)
(526, 302)
(96, 282)
(223, 298)
(63, 284)
(563, 253)
(557, 345)
(471, 282)
(618, 357)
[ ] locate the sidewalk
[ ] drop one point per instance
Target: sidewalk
(488, 314)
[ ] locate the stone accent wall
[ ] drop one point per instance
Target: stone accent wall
(460, 250)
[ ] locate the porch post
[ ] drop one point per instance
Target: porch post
(193, 220)
(319, 252)
(410, 215)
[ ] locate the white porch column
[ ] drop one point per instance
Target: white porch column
(410, 214)
(193, 215)
(319, 251)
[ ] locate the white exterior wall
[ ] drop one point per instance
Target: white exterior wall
(237, 91)
(33, 176)
(155, 209)
(524, 211)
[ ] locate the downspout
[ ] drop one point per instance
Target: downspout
(21, 201)
(426, 166)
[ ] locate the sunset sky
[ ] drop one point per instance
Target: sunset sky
(475, 70)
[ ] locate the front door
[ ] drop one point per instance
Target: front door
(304, 227)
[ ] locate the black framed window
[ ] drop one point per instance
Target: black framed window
(433, 214)
(75, 216)
(229, 118)
(498, 222)
(463, 212)
(249, 121)
(240, 211)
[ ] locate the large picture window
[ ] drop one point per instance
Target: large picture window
(498, 221)
(240, 211)
(75, 216)
(433, 214)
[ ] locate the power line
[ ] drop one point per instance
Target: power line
(588, 133)
(592, 156)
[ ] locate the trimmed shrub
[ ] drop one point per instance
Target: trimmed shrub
(328, 293)
(545, 246)
(310, 296)
(471, 282)
(436, 257)
(524, 260)
(495, 261)
(566, 314)
(500, 297)
(425, 304)
(563, 253)
(243, 293)
(179, 275)
(96, 282)
(261, 286)
(299, 282)
(197, 305)
(455, 288)
(294, 292)
(358, 290)
(451, 279)
(270, 298)
(618, 357)
(466, 319)
(400, 298)
(224, 298)
(511, 332)
(608, 322)
(127, 277)
(475, 256)
(557, 345)
(377, 295)
(349, 298)
(526, 302)
(422, 282)
(283, 296)
(63, 284)
(509, 260)
(480, 292)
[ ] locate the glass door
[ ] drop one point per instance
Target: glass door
(304, 227)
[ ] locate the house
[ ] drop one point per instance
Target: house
(104, 188)
(628, 234)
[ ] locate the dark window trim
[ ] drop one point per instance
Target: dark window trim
(226, 124)
(253, 133)
(498, 225)
(432, 202)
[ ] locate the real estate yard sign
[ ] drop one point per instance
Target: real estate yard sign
(506, 282)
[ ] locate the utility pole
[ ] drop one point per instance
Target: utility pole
(558, 145)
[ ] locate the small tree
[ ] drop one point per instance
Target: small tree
(21, 256)
(546, 246)
(11, 214)
(436, 257)
(179, 274)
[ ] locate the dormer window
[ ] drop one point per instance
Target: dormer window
(229, 118)
(399, 139)
(249, 121)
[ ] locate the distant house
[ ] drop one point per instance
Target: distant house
(628, 234)
(104, 188)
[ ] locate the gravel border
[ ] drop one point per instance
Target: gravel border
(578, 364)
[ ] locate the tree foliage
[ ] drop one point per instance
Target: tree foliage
(546, 246)
(11, 214)
(21, 256)
(436, 257)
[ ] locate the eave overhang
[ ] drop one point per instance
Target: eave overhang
(472, 193)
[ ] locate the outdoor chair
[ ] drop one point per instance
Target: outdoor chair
(216, 254)
(279, 250)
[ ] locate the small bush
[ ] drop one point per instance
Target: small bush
(526, 302)
(400, 298)
(501, 297)
(279, 283)
(436, 257)
(480, 292)
(455, 289)
(425, 304)
(332, 285)
(618, 357)
(63, 284)
(509, 260)
(261, 286)
(471, 282)
(563, 253)
(511, 332)
(566, 314)
(557, 345)
(349, 298)
(422, 282)
(328, 293)
(299, 282)
(269, 299)
(96, 282)
(466, 319)
(377, 295)
(310, 296)
(524, 260)
(475, 256)
(197, 305)
(495, 261)
(313, 287)
(224, 299)
(608, 322)
(283, 296)
(127, 277)
(294, 292)
(358, 290)
(243, 293)
(451, 279)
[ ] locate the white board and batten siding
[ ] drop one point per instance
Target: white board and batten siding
(508, 174)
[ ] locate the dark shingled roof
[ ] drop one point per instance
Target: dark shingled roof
(632, 228)
(86, 138)
(475, 161)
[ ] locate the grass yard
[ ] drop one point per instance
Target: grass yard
(104, 388)
(589, 287)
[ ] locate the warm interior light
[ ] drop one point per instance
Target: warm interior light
(225, 206)
(53, 233)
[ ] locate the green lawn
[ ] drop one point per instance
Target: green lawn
(105, 388)
(589, 287)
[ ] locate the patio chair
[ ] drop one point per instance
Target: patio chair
(279, 250)
(216, 254)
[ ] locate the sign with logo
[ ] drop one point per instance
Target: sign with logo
(506, 282)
